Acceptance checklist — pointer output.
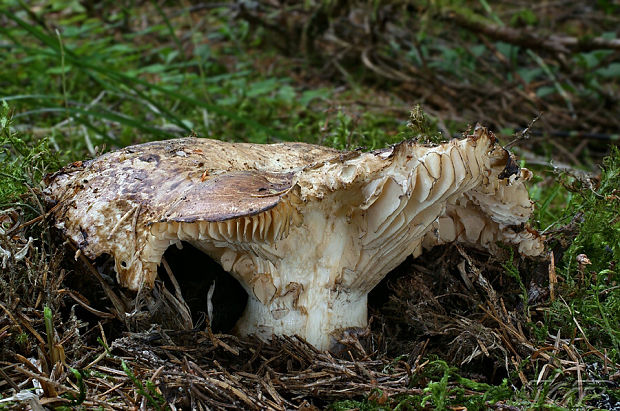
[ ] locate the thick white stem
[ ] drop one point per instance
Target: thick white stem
(328, 312)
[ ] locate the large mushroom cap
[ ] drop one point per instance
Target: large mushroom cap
(110, 205)
(307, 230)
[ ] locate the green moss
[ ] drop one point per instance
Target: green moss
(593, 295)
(23, 163)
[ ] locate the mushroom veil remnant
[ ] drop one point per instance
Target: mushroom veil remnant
(308, 231)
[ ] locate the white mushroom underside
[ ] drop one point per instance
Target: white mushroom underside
(309, 271)
(328, 227)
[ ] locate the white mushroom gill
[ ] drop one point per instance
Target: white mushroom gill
(308, 231)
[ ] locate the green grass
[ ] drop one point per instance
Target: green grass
(24, 160)
(443, 387)
(590, 210)
(118, 92)
(594, 292)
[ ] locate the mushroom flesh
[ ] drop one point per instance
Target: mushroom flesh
(307, 230)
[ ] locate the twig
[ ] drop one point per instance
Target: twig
(85, 305)
(173, 279)
(34, 220)
(122, 220)
(529, 39)
(9, 380)
(523, 134)
(118, 304)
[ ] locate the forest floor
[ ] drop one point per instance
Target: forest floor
(456, 328)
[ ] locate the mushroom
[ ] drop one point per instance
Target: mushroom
(307, 230)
